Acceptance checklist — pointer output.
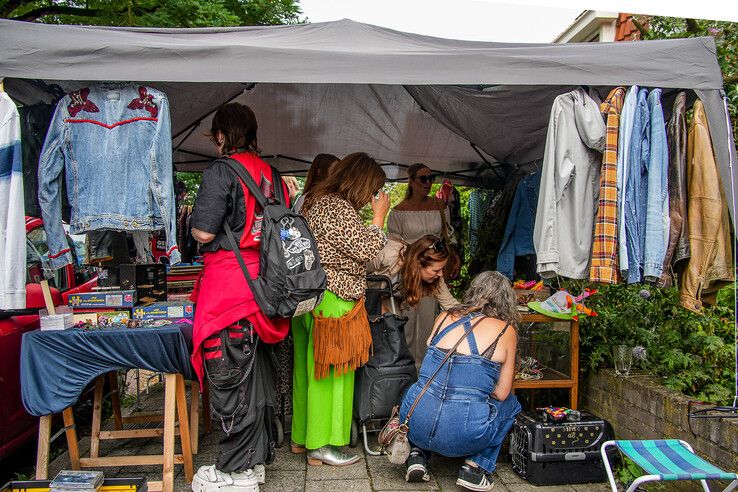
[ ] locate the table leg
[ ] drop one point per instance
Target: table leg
(42, 452)
(170, 386)
(115, 398)
(194, 415)
(96, 417)
(72, 442)
(184, 428)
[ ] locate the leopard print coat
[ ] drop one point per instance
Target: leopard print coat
(345, 244)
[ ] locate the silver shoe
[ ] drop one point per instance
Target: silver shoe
(330, 455)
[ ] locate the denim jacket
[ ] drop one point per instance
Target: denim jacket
(518, 237)
(657, 198)
(636, 188)
(113, 141)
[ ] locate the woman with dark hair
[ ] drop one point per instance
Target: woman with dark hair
(468, 408)
(319, 170)
(333, 340)
(230, 331)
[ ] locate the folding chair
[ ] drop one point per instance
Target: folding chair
(668, 459)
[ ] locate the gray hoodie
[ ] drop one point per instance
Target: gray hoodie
(567, 201)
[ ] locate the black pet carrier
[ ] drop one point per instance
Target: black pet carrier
(554, 453)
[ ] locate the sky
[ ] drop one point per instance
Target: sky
(534, 21)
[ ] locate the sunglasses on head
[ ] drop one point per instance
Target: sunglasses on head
(439, 245)
(428, 178)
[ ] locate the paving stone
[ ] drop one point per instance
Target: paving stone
(592, 487)
(507, 475)
(286, 460)
(327, 472)
(284, 481)
(356, 485)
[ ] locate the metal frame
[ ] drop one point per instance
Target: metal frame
(650, 478)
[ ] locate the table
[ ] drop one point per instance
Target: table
(57, 365)
(553, 378)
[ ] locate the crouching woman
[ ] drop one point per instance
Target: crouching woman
(468, 408)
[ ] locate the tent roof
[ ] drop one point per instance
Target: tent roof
(342, 52)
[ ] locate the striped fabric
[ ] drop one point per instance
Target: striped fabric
(604, 265)
(670, 460)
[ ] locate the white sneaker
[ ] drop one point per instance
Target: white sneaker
(260, 473)
(249, 478)
(210, 479)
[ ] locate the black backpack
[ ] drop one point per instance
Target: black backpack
(291, 280)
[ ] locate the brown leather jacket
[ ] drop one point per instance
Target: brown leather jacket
(711, 263)
(678, 247)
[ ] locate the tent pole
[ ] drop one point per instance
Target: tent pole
(486, 161)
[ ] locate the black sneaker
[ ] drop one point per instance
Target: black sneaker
(417, 467)
(474, 478)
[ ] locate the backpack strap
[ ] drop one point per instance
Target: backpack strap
(237, 252)
(245, 176)
(277, 182)
(493, 346)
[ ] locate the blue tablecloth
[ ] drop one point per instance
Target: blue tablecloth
(57, 365)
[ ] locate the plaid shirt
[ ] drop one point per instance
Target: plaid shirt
(604, 265)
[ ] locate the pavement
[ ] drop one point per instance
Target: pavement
(290, 472)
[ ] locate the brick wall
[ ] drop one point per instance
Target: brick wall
(638, 407)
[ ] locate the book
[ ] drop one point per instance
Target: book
(76, 480)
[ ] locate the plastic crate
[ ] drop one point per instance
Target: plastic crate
(567, 452)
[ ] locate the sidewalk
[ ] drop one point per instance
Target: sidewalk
(290, 472)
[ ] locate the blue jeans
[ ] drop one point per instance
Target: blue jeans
(486, 457)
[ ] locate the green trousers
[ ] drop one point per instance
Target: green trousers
(321, 409)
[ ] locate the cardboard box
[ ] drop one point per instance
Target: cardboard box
(165, 310)
(104, 299)
(149, 280)
(117, 317)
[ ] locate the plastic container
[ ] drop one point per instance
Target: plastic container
(63, 319)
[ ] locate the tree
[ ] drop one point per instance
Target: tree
(726, 40)
(154, 13)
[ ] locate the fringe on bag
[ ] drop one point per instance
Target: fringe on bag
(344, 343)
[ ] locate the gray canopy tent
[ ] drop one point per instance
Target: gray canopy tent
(472, 110)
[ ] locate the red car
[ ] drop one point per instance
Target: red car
(16, 425)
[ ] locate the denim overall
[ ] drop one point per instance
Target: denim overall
(457, 416)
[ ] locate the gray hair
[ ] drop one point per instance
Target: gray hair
(490, 293)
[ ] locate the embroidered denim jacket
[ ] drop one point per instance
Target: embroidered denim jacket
(113, 141)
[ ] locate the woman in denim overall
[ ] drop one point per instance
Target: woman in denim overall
(468, 408)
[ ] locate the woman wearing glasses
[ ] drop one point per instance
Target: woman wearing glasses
(416, 216)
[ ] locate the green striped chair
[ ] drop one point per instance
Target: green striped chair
(668, 459)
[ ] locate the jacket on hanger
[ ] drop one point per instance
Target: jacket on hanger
(625, 134)
(678, 246)
(711, 264)
(12, 215)
(518, 237)
(113, 142)
(657, 196)
(569, 189)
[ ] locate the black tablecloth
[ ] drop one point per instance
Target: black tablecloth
(57, 365)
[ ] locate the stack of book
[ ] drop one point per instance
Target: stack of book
(77, 481)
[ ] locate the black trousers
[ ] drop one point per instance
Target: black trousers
(240, 372)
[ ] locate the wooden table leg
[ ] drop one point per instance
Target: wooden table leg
(184, 428)
(194, 415)
(72, 443)
(42, 451)
(170, 387)
(96, 417)
(115, 398)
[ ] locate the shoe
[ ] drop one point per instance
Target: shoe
(330, 455)
(260, 472)
(210, 479)
(297, 448)
(474, 478)
(417, 467)
(249, 478)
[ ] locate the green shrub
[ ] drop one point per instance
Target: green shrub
(694, 353)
